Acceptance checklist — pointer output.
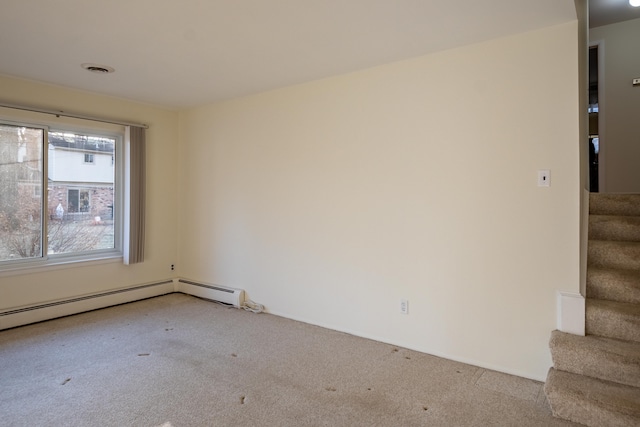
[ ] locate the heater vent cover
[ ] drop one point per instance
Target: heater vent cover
(223, 294)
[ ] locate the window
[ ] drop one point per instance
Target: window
(77, 214)
(21, 152)
(78, 201)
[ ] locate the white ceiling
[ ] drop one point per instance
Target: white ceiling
(605, 12)
(180, 54)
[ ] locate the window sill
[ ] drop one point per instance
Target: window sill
(59, 264)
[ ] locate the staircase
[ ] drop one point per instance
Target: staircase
(596, 378)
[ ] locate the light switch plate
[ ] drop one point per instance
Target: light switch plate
(544, 178)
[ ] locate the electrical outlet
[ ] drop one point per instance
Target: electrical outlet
(404, 306)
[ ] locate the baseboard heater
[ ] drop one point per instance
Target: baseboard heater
(51, 310)
(223, 294)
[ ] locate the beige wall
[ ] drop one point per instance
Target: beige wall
(620, 106)
(330, 201)
(39, 286)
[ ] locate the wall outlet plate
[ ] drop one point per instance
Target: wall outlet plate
(636, 82)
(404, 306)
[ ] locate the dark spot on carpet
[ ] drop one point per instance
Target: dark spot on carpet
(459, 372)
(234, 355)
(395, 350)
(407, 357)
(143, 354)
(242, 398)
(66, 381)
(424, 408)
(330, 389)
(168, 329)
(369, 388)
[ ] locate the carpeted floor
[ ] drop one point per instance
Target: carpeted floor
(180, 361)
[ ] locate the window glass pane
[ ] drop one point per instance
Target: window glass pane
(81, 192)
(72, 201)
(21, 150)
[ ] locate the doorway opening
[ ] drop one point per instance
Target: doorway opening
(594, 110)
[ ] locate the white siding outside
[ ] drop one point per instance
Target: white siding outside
(67, 165)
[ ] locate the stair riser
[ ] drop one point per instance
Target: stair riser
(622, 255)
(612, 325)
(613, 286)
(596, 358)
(586, 401)
(617, 228)
(627, 375)
(614, 204)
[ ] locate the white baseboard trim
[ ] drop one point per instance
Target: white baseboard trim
(51, 310)
(571, 313)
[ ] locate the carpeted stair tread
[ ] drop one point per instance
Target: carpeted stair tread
(603, 358)
(614, 284)
(613, 319)
(613, 254)
(614, 227)
(614, 204)
(591, 401)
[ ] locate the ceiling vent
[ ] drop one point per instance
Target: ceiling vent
(100, 69)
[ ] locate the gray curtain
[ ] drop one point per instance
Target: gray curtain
(137, 190)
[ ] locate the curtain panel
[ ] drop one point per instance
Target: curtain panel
(134, 232)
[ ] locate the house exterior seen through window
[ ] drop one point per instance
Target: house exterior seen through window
(76, 209)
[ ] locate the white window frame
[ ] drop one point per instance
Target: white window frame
(99, 255)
